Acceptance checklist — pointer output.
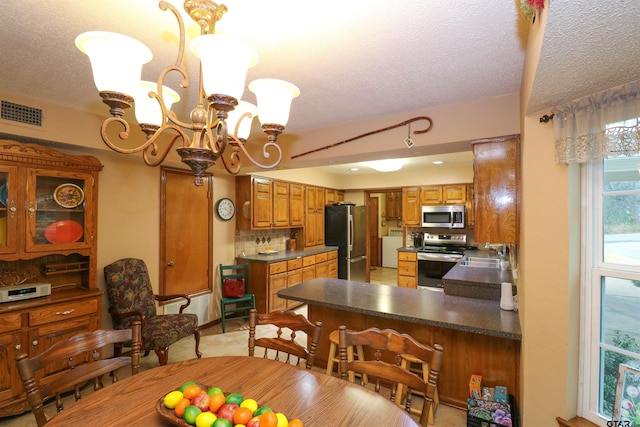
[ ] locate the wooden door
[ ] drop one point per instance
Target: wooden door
(372, 223)
(186, 213)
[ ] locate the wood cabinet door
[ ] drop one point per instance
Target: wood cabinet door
(280, 204)
(431, 195)
(496, 190)
(59, 210)
(470, 208)
(319, 213)
(411, 206)
(296, 205)
(262, 203)
(11, 345)
(294, 277)
(46, 335)
(277, 282)
(454, 194)
(8, 209)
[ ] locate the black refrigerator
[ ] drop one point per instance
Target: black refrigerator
(345, 226)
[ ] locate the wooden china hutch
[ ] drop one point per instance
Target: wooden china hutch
(48, 225)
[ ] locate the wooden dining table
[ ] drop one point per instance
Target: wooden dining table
(318, 400)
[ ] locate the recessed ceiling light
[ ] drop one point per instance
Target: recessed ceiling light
(438, 162)
(385, 165)
(354, 169)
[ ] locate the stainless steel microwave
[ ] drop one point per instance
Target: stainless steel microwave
(443, 216)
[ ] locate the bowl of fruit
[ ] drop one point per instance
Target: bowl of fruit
(195, 404)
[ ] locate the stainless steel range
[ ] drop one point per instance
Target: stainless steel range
(438, 255)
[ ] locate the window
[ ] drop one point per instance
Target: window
(610, 280)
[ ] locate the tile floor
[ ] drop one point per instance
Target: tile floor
(234, 342)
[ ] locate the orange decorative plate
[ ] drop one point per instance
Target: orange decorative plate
(65, 231)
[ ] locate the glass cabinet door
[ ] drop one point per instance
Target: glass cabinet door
(56, 214)
(8, 203)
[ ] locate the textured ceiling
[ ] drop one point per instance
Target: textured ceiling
(351, 59)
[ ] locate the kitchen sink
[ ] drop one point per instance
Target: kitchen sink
(480, 262)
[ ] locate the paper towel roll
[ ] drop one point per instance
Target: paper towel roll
(506, 296)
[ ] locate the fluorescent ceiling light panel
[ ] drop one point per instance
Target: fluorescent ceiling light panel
(385, 165)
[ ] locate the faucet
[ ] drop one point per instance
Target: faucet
(502, 253)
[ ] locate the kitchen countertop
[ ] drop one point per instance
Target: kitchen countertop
(287, 255)
(422, 306)
(473, 282)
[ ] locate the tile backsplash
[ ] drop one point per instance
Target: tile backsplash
(250, 242)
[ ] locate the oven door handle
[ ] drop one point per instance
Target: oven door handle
(438, 257)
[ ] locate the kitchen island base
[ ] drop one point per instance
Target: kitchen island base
(476, 335)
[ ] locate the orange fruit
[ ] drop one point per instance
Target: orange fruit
(268, 419)
(217, 400)
(242, 416)
(295, 423)
(191, 391)
(179, 409)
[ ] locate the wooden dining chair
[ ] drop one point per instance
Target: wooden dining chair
(291, 349)
(388, 348)
(79, 357)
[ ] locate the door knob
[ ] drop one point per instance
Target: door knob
(170, 264)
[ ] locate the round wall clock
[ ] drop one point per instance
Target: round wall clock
(225, 208)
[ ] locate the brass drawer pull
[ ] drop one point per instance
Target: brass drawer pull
(64, 313)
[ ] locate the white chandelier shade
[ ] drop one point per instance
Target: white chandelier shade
(107, 52)
(237, 114)
(220, 122)
(148, 109)
(274, 99)
(225, 61)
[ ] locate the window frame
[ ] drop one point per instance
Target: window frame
(593, 271)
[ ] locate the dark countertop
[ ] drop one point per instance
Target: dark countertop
(478, 275)
(287, 255)
(422, 306)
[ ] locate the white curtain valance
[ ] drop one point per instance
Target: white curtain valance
(598, 126)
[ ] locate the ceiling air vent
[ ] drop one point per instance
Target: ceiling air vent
(21, 114)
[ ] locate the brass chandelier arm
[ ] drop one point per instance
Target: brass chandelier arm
(151, 152)
(373, 132)
(163, 5)
(233, 164)
(150, 147)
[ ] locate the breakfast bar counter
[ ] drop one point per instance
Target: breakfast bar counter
(477, 336)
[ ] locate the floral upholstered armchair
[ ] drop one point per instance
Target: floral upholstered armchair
(131, 297)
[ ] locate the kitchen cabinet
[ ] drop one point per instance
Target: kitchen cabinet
(266, 279)
(496, 182)
(332, 196)
(262, 203)
(48, 224)
(314, 216)
(393, 205)
(450, 194)
(407, 269)
(431, 195)
(296, 204)
(411, 206)
(470, 217)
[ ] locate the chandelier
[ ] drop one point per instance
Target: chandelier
(220, 117)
